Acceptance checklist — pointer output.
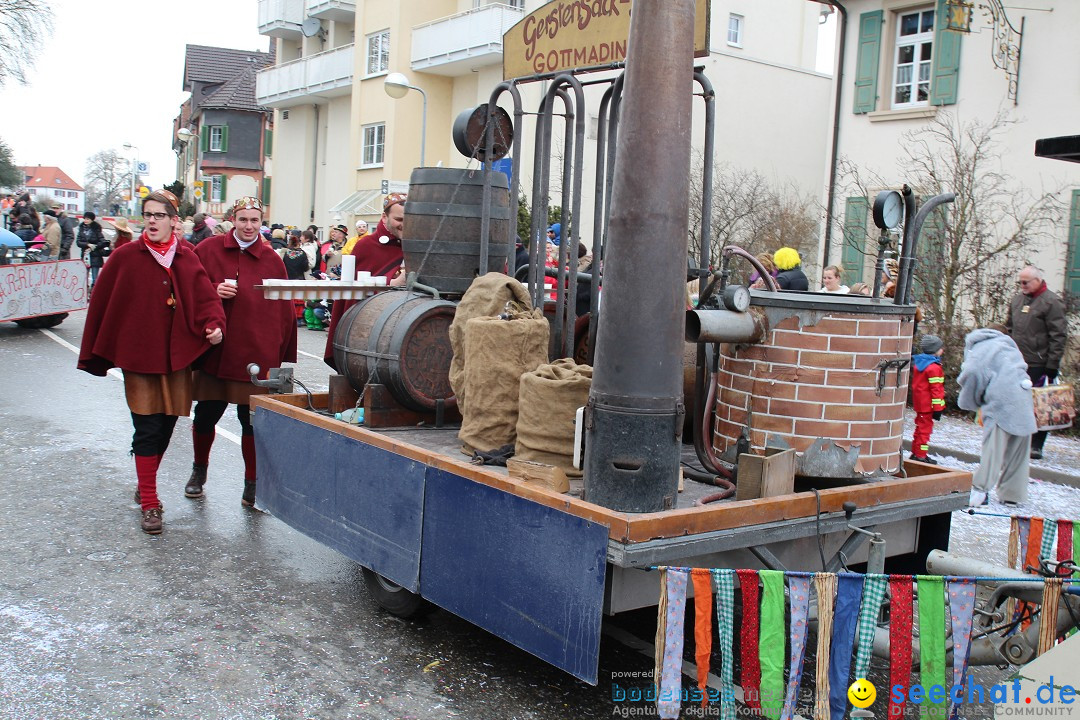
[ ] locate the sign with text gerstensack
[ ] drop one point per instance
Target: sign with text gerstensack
(34, 289)
(572, 36)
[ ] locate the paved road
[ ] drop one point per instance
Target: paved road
(229, 613)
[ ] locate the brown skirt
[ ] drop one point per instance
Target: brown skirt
(210, 387)
(153, 394)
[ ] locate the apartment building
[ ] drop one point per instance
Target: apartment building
(51, 185)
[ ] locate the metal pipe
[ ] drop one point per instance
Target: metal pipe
(635, 409)
(489, 150)
(702, 414)
(920, 218)
(834, 152)
(598, 216)
(725, 326)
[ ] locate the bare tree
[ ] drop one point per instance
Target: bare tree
(24, 25)
(967, 264)
(750, 212)
(108, 174)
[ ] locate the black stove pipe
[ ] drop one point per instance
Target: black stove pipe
(635, 411)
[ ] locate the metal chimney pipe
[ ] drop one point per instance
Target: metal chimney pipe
(635, 411)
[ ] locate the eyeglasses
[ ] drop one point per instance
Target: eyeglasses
(154, 215)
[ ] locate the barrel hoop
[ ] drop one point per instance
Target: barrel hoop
(404, 326)
(455, 210)
(376, 335)
(450, 247)
(376, 355)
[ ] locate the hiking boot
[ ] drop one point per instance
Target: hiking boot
(1036, 454)
(195, 483)
(928, 460)
(151, 521)
(248, 498)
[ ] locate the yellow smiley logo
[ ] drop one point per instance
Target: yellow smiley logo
(862, 693)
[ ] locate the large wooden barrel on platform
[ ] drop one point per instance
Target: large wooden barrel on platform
(441, 236)
(401, 340)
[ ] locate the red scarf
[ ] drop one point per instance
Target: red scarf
(1038, 291)
(164, 252)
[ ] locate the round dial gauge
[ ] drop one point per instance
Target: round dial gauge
(737, 298)
(888, 209)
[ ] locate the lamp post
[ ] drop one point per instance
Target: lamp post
(185, 136)
(134, 168)
(397, 86)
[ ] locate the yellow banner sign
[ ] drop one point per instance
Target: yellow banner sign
(578, 36)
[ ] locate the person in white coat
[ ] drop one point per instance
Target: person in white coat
(994, 379)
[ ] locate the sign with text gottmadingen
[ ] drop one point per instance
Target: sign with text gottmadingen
(578, 36)
(47, 288)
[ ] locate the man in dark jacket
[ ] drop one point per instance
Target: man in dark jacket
(67, 231)
(200, 231)
(1038, 327)
(90, 238)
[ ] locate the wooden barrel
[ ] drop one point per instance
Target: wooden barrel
(441, 236)
(400, 340)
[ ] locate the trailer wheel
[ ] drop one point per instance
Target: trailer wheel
(395, 599)
(43, 321)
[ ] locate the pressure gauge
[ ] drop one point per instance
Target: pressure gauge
(737, 298)
(888, 209)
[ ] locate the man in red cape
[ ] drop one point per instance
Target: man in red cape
(152, 314)
(378, 253)
(261, 331)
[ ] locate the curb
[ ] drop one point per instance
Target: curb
(1039, 473)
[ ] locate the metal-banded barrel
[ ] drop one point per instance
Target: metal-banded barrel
(441, 237)
(401, 340)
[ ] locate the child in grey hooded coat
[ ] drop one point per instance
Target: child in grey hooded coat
(994, 379)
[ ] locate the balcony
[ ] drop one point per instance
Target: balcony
(339, 10)
(455, 45)
(281, 18)
(322, 75)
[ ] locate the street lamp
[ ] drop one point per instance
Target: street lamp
(134, 168)
(397, 86)
(185, 136)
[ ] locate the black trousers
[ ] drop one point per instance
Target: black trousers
(208, 412)
(152, 433)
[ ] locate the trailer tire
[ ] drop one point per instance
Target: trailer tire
(395, 599)
(43, 321)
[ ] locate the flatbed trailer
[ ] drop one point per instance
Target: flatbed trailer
(539, 568)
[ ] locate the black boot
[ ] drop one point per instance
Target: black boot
(248, 498)
(195, 483)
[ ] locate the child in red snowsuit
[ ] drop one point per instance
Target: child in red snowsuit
(927, 394)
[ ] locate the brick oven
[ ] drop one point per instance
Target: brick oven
(829, 366)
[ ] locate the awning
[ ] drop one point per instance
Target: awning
(361, 202)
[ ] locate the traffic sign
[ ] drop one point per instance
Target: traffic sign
(198, 189)
(143, 168)
(144, 191)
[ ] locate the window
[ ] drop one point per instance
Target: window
(918, 60)
(374, 143)
(734, 30)
(214, 138)
(378, 52)
(911, 63)
(217, 188)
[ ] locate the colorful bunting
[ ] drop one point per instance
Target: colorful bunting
(846, 615)
(772, 643)
(900, 626)
(669, 700)
(725, 623)
(873, 595)
(1064, 540)
(702, 628)
(931, 640)
(825, 587)
(962, 610)
(748, 639)
(1048, 627)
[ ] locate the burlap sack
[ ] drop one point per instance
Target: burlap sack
(547, 403)
(486, 297)
(497, 352)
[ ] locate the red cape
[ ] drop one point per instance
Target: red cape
(260, 331)
(375, 257)
(130, 324)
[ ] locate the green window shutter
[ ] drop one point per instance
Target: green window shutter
(268, 142)
(224, 189)
(853, 256)
(1072, 270)
(266, 191)
(224, 138)
(946, 72)
(866, 64)
(204, 138)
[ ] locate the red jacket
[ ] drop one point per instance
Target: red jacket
(260, 331)
(375, 257)
(927, 384)
(130, 323)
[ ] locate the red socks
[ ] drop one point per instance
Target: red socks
(247, 448)
(146, 467)
(202, 442)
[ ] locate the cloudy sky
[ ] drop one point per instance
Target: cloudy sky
(112, 73)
